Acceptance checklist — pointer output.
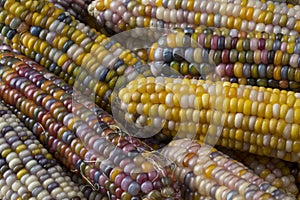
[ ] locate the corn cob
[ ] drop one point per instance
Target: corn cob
(231, 49)
(255, 15)
(254, 61)
(284, 42)
(66, 47)
(255, 119)
(78, 151)
(28, 170)
(278, 173)
(189, 5)
(209, 169)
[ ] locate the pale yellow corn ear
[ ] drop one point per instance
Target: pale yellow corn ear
(256, 119)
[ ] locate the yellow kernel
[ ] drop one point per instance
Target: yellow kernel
(295, 132)
(240, 105)
(154, 98)
(280, 126)
(238, 69)
(175, 114)
(265, 126)
(249, 13)
(291, 100)
(274, 98)
(265, 173)
(297, 26)
(232, 92)
(171, 40)
(168, 114)
(32, 42)
(297, 104)
(290, 47)
(126, 98)
(245, 123)
(131, 108)
(296, 146)
(21, 173)
(210, 19)
(283, 97)
(208, 171)
(297, 115)
(270, 7)
(5, 152)
(203, 117)
(63, 58)
(136, 96)
(237, 23)
(145, 98)
(283, 111)
(247, 107)
(162, 110)
(153, 112)
(257, 125)
(273, 124)
(243, 13)
(239, 46)
(20, 148)
(176, 100)
(197, 19)
(226, 105)
(268, 18)
(269, 111)
(262, 16)
(230, 120)
(233, 105)
(261, 109)
(239, 135)
(242, 172)
(205, 101)
(36, 152)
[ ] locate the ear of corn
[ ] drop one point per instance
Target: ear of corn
(206, 163)
(240, 15)
(268, 60)
(279, 173)
(255, 119)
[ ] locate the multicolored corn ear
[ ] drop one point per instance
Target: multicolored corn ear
(253, 58)
(279, 173)
(241, 15)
